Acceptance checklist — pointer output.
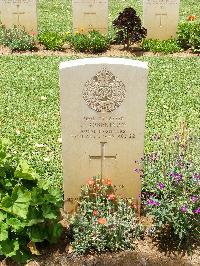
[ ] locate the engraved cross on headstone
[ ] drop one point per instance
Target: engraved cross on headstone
(161, 18)
(102, 157)
(18, 14)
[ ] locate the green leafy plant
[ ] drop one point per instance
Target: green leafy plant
(157, 46)
(52, 40)
(102, 221)
(189, 35)
(17, 39)
(93, 42)
(129, 27)
(171, 187)
(29, 210)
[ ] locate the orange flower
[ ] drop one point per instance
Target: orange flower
(109, 182)
(191, 18)
(95, 213)
(90, 182)
(102, 221)
(134, 206)
(33, 33)
(111, 197)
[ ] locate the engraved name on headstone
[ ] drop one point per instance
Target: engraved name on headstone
(103, 123)
(160, 18)
(19, 13)
(90, 15)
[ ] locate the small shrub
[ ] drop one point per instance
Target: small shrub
(29, 210)
(93, 42)
(80, 42)
(171, 187)
(189, 35)
(52, 40)
(157, 46)
(102, 222)
(17, 39)
(129, 27)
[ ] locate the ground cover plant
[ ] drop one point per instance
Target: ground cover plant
(17, 39)
(103, 222)
(93, 42)
(171, 187)
(157, 46)
(29, 209)
(189, 34)
(52, 40)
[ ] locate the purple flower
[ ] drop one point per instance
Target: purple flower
(197, 211)
(184, 208)
(177, 177)
(161, 185)
(196, 176)
(194, 198)
(152, 202)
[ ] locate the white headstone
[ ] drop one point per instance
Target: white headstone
(103, 104)
(21, 13)
(90, 15)
(160, 18)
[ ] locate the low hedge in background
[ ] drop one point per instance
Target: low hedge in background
(17, 39)
(52, 40)
(189, 35)
(93, 42)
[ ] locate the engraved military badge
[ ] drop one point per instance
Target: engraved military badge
(104, 92)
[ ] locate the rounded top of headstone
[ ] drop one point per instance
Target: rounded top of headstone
(103, 60)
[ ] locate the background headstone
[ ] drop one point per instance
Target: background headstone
(160, 18)
(90, 15)
(21, 13)
(103, 104)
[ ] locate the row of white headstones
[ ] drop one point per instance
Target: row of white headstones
(160, 17)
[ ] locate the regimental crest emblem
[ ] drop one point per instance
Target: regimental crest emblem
(104, 92)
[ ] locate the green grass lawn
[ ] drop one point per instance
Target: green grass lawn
(56, 15)
(29, 90)
(30, 113)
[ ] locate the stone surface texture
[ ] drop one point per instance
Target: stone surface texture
(21, 13)
(90, 15)
(160, 18)
(103, 106)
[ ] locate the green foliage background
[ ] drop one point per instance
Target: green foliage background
(30, 110)
(29, 92)
(56, 15)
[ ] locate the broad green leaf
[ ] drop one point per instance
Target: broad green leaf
(55, 231)
(2, 216)
(9, 247)
(15, 224)
(24, 171)
(3, 231)
(38, 233)
(37, 196)
(49, 212)
(34, 217)
(21, 256)
(18, 203)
